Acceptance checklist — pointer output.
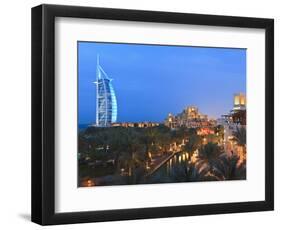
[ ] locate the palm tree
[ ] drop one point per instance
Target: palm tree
(208, 155)
(192, 144)
(186, 173)
(210, 151)
(240, 135)
(228, 168)
(193, 174)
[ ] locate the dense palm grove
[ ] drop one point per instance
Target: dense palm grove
(119, 155)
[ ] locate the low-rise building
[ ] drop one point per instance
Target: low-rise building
(135, 124)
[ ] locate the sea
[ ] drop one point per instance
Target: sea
(83, 126)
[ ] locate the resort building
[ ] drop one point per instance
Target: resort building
(238, 113)
(106, 103)
(136, 124)
(171, 121)
(239, 102)
(190, 117)
(234, 120)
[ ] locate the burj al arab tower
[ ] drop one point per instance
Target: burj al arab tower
(106, 103)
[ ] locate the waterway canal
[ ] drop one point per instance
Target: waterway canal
(174, 170)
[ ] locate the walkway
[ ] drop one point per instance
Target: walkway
(159, 162)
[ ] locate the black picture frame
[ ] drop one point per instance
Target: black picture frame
(43, 114)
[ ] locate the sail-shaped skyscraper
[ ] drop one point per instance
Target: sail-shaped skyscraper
(106, 103)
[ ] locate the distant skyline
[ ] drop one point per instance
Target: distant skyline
(151, 81)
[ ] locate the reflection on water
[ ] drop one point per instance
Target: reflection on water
(172, 168)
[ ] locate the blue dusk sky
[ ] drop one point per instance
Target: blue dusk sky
(151, 81)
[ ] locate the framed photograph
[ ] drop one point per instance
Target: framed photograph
(142, 114)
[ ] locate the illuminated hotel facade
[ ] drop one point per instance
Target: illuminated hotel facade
(106, 103)
(233, 121)
(136, 124)
(190, 117)
(239, 102)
